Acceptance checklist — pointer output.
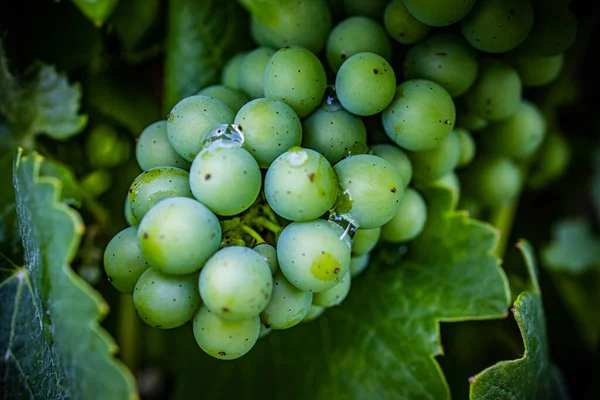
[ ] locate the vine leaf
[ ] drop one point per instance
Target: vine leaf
(573, 248)
(51, 342)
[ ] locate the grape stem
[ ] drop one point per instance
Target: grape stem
(128, 331)
(503, 218)
(265, 223)
(257, 238)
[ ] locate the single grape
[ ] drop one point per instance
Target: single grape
(269, 253)
(300, 185)
(335, 295)
(551, 161)
(469, 119)
(356, 35)
(397, 158)
(223, 339)
(192, 119)
(270, 127)
(105, 148)
(154, 185)
(295, 76)
(372, 9)
(288, 305)
(365, 240)
(421, 115)
(467, 147)
(166, 301)
(229, 73)
(409, 221)
(430, 165)
(153, 149)
(235, 99)
(225, 178)
(518, 136)
(439, 12)
(497, 26)
(401, 25)
(365, 84)
(313, 313)
(123, 261)
(178, 235)
(236, 283)
(494, 181)
(359, 263)
(285, 23)
(252, 71)
(538, 70)
(315, 255)
(496, 94)
(444, 58)
(335, 133)
(370, 190)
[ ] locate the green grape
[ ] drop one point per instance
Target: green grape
(225, 178)
(365, 84)
(552, 160)
(154, 185)
(497, 26)
(252, 71)
(365, 240)
(359, 263)
(270, 127)
(300, 185)
(335, 295)
(430, 165)
(105, 148)
(370, 190)
(401, 25)
(439, 12)
(123, 261)
(372, 9)
(296, 76)
(496, 94)
(314, 255)
(409, 221)
(518, 136)
(538, 70)
(178, 235)
(154, 150)
(264, 331)
(554, 31)
(235, 99)
(229, 73)
(449, 181)
(269, 253)
(223, 339)
(335, 133)
(277, 23)
(192, 119)
(129, 218)
(443, 58)
(356, 35)
(236, 283)
(421, 115)
(166, 301)
(494, 181)
(470, 121)
(467, 147)
(397, 158)
(288, 305)
(313, 313)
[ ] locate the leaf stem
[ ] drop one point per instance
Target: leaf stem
(128, 331)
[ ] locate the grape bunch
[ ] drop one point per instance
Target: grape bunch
(263, 197)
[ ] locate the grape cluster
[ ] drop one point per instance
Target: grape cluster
(262, 198)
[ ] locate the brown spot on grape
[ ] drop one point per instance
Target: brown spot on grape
(375, 71)
(311, 177)
(222, 353)
(207, 177)
(394, 190)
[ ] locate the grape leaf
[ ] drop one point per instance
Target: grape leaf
(573, 249)
(533, 376)
(51, 342)
(381, 342)
(96, 11)
(201, 36)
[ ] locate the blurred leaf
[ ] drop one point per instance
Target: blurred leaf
(70, 193)
(381, 342)
(201, 36)
(533, 376)
(50, 338)
(574, 248)
(97, 11)
(133, 18)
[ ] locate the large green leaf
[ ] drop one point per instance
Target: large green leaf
(381, 342)
(201, 36)
(533, 376)
(51, 342)
(573, 248)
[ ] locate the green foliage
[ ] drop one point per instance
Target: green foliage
(97, 11)
(574, 248)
